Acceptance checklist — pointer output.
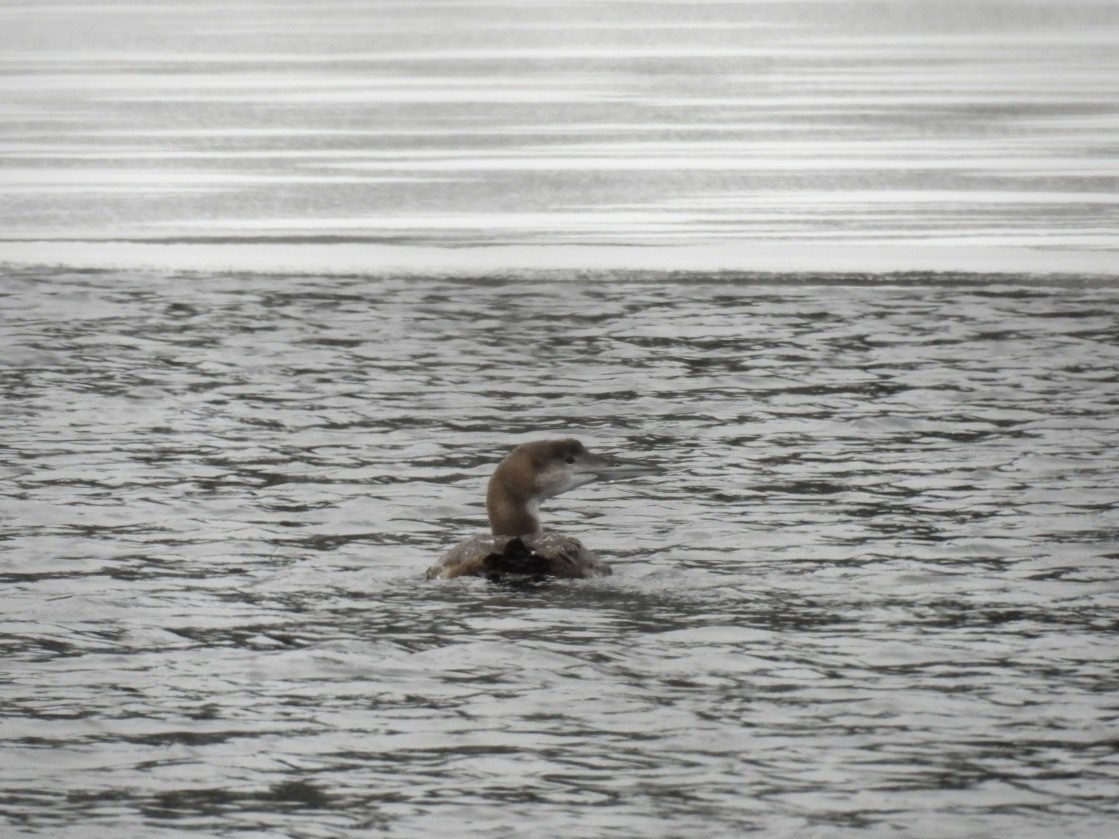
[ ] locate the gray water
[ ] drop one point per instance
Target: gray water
(830, 135)
(873, 594)
(281, 281)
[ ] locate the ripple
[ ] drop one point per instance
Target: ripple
(875, 585)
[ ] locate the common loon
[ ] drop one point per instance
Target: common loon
(529, 474)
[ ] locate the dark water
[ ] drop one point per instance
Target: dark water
(874, 594)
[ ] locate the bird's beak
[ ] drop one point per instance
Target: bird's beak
(611, 469)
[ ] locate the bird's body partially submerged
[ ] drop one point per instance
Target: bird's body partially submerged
(536, 555)
(529, 474)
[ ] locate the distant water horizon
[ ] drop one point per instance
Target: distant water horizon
(561, 262)
(468, 138)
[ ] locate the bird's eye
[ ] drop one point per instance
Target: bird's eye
(570, 459)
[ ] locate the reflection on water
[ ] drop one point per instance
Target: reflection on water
(867, 127)
(874, 592)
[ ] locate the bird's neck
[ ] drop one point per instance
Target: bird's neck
(512, 511)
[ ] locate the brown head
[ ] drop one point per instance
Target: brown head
(535, 471)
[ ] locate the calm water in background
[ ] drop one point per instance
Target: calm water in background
(875, 591)
(874, 594)
(913, 134)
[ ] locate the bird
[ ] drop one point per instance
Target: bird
(529, 474)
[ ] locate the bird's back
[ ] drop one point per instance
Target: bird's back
(539, 554)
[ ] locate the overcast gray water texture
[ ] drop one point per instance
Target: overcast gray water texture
(829, 135)
(874, 593)
(846, 270)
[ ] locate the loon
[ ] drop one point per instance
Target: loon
(529, 474)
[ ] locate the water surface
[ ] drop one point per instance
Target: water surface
(874, 593)
(820, 136)
(846, 270)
